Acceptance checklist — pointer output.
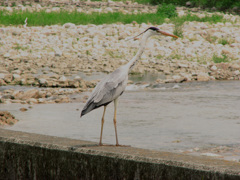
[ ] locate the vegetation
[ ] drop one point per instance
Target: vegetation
(167, 10)
(220, 4)
(217, 59)
(225, 41)
(43, 18)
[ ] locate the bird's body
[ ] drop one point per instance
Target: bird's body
(114, 84)
(107, 90)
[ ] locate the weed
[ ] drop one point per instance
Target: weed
(19, 47)
(13, 4)
(88, 53)
(221, 4)
(176, 55)
(178, 30)
(159, 56)
(167, 10)
(211, 39)
(113, 55)
(217, 59)
(224, 41)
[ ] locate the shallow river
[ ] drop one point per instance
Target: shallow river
(188, 118)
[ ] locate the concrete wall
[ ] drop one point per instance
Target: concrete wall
(32, 156)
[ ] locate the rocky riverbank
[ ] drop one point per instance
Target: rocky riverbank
(52, 56)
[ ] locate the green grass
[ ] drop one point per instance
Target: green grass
(167, 10)
(42, 18)
(191, 17)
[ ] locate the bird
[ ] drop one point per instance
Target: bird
(113, 85)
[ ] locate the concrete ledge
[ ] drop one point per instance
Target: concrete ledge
(33, 156)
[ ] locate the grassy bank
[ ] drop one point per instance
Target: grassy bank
(42, 18)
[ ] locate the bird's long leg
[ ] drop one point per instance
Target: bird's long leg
(100, 142)
(115, 119)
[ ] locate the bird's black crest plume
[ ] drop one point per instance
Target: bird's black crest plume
(152, 28)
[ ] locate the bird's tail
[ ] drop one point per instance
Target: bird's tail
(87, 108)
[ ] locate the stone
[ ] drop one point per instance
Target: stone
(23, 109)
(41, 100)
(181, 65)
(16, 76)
(213, 68)
(189, 3)
(69, 26)
(16, 32)
(236, 73)
(73, 84)
(15, 101)
(176, 86)
(31, 93)
(63, 99)
(6, 55)
(178, 79)
(42, 82)
(235, 66)
(32, 101)
(2, 76)
(237, 39)
(203, 77)
(8, 78)
(58, 52)
(63, 78)
(16, 71)
(2, 82)
(108, 9)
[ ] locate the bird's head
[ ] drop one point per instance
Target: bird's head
(151, 31)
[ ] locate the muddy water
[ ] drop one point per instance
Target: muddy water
(190, 118)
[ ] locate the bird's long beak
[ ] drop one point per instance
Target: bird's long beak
(167, 34)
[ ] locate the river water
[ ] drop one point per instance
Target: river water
(194, 118)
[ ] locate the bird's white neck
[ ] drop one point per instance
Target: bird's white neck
(133, 61)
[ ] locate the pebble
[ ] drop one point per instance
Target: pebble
(23, 109)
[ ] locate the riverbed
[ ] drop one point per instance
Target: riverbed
(200, 118)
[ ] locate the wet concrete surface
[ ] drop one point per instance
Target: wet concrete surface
(192, 118)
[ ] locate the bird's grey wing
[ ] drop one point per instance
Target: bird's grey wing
(110, 92)
(111, 88)
(106, 90)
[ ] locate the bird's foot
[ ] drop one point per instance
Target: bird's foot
(120, 145)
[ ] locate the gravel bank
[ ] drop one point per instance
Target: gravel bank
(53, 56)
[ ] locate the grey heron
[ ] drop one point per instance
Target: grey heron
(114, 84)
